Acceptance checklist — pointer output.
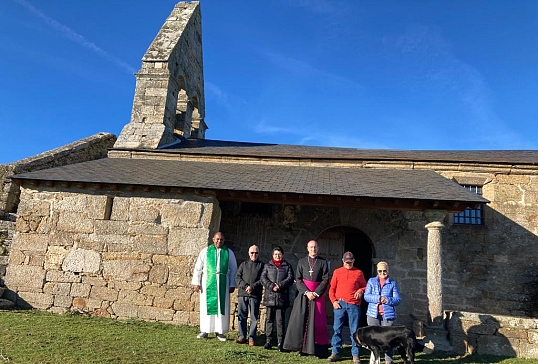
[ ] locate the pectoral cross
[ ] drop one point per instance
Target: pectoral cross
(311, 271)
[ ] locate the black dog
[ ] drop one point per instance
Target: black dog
(379, 339)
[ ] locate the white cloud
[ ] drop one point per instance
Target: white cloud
(312, 136)
(263, 128)
(433, 58)
(305, 70)
(75, 37)
(218, 93)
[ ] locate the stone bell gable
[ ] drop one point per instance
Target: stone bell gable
(169, 100)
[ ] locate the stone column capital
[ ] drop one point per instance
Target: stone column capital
(435, 225)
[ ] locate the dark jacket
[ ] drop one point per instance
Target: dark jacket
(248, 274)
(283, 276)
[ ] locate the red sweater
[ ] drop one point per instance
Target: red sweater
(344, 283)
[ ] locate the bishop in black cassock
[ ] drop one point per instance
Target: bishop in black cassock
(307, 328)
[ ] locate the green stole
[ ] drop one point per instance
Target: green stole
(211, 280)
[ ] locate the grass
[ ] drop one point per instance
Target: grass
(41, 337)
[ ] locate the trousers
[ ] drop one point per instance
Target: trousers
(353, 313)
(278, 315)
(246, 304)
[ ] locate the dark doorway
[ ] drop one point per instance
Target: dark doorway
(333, 243)
(359, 244)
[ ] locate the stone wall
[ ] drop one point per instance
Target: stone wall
(493, 334)
(117, 254)
(493, 268)
(7, 229)
(93, 147)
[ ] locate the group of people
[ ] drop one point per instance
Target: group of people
(216, 275)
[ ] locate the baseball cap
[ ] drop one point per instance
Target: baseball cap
(348, 256)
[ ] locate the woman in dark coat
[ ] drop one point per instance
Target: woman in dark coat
(277, 278)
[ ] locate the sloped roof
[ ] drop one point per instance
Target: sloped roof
(356, 183)
(231, 148)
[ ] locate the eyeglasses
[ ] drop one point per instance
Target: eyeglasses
(349, 262)
(253, 253)
(382, 271)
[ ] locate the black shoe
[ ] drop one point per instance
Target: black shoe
(267, 346)
(280, 348)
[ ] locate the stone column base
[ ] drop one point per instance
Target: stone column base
(436, 339)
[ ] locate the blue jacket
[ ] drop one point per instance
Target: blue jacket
(373, 294)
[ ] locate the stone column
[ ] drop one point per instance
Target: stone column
(436, 335)
(435, 267)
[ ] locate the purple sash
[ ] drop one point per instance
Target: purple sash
(320, 317)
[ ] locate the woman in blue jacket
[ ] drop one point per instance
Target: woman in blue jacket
(382, 295)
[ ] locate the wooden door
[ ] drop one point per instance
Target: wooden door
(331, 247)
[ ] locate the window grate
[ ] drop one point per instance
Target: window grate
(471, 216)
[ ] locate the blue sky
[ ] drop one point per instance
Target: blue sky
(387, 74)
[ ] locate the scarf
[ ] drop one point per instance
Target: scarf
(380, 306)
(277, 263)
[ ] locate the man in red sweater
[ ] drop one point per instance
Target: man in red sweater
(346, 289)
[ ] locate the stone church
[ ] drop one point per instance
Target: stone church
(117, 233)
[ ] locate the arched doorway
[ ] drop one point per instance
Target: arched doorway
(333, 243)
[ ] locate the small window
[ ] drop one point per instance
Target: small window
(471, 216)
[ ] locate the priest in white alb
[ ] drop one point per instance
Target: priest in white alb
(214, 279)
